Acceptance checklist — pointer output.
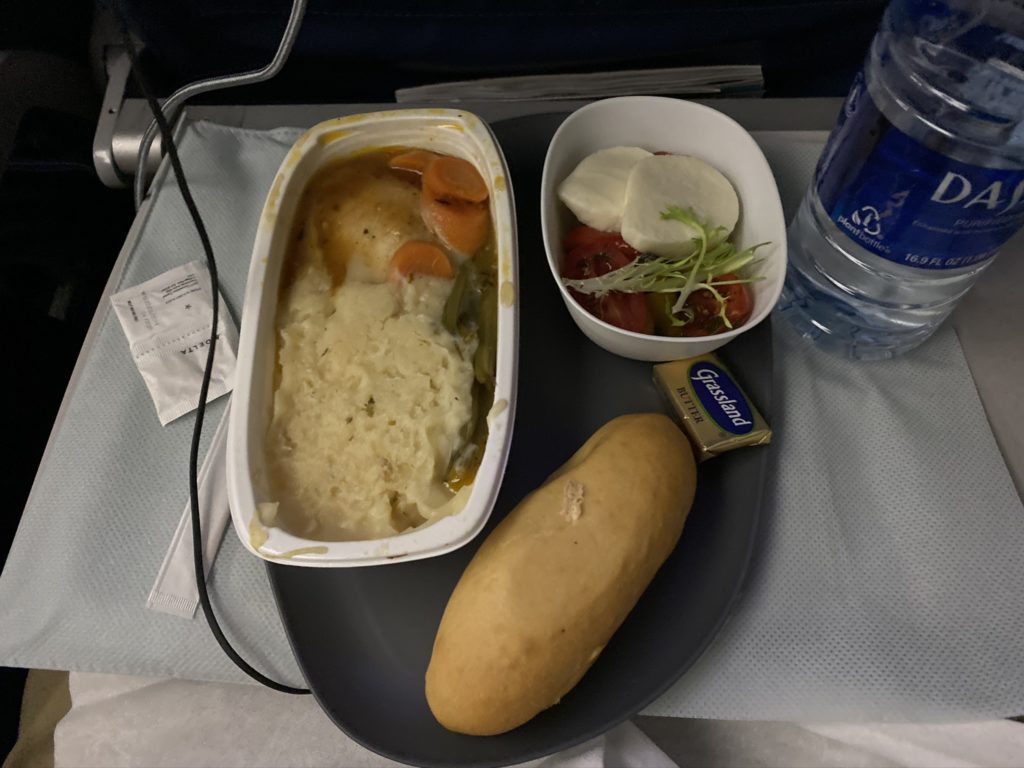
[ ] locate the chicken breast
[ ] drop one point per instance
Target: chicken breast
(360, 218)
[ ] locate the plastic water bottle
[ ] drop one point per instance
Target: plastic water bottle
(920, 183)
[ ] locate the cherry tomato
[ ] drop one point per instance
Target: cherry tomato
(594, 238)
(739, 304)
(705, 308)
(706, 321)
(625, 310)
(593, 260)
(590, 253)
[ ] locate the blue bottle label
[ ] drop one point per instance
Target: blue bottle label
(721, 397)
(908, 203)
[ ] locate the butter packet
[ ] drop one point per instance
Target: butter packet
(715, 412)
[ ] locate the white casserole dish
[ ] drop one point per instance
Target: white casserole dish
(452, 132)
(682, 127)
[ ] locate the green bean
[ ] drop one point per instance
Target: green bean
(456, 305)
(487, 337)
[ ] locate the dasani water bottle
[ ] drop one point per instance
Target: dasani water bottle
(920, 183)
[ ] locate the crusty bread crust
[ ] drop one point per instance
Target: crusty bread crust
(552, 583)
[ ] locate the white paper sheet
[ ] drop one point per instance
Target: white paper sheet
(126, 721)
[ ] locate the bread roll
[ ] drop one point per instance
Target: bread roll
(552, 583)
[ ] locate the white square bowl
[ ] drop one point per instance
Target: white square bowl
(661, 124)
(452, 132)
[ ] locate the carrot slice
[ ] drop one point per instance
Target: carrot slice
(455, 180)
(463, 227)
(417, 257)
(415, 160)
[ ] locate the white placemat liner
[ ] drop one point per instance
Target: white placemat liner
(886, 583)
(110, 491)
(131, 721)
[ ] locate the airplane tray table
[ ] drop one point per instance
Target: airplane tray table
(884, 582)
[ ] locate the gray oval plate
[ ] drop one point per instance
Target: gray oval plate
(363, 636)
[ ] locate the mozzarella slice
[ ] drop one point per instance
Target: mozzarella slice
(596, 190)
(662, 181)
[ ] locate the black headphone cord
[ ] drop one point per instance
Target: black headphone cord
(167, 141)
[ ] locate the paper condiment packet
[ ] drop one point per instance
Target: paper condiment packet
(167, 321)
(710, 405)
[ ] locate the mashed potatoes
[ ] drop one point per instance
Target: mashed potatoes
(374, 399)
